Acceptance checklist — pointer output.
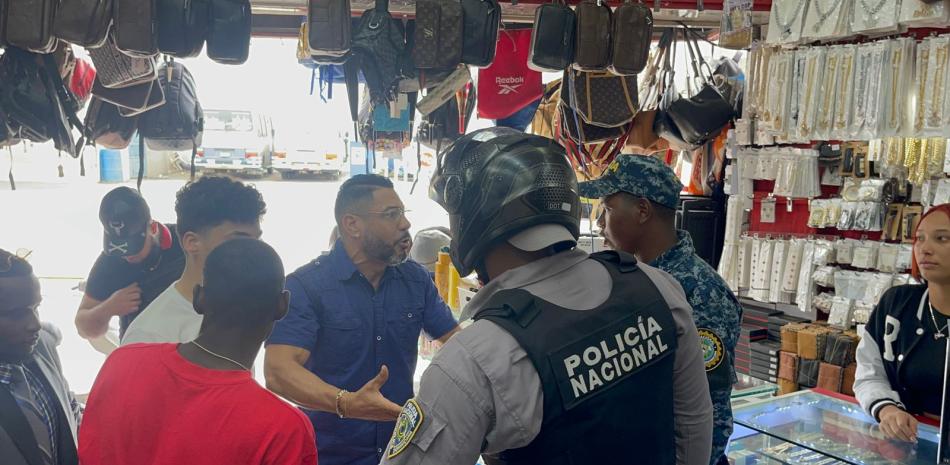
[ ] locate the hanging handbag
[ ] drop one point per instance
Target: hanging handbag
(508, 85)
(543, 122)
(83, 22)
(663, 125)
(698, 119)
(603, 99)
(701, 117)
(592, 40)
(630, 38)
(552, 38)
(116, 69)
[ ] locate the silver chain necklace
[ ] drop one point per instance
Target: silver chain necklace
(872, 11)
(786, 26)
(824, 15)
(222, 357)
(939, 334)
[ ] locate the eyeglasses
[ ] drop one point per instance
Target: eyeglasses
(391, 214)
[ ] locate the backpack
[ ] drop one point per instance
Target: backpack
(229, 31)
(180, 25)
(38, 105)
(379, 53)
(508, 85)
(328, 27)
(438, 34)
(134, 27)
(592, 40)
(29, 25)
(552, 38)
(630, 38)
(106, 127)
(83, 22)
(447, 123)
(480, 31)
(178, 124)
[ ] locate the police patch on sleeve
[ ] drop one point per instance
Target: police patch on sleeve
(407, 425)
(713, 348)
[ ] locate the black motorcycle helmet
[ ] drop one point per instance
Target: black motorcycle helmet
(498, 182)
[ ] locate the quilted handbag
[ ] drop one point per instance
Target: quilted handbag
(603, 99)
(116, 69)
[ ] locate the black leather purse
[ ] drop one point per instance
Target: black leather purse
(701, 117)
(663, 124)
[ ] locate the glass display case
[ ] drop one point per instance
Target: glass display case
(810, 428)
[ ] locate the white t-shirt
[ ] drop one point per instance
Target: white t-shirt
(170, 318)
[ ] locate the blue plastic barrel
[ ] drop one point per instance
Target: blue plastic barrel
(110, 166)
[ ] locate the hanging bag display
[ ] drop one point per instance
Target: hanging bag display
(448, 122)
(438, 34)
(663, 124)
(592, 39)
(603, 99)
(229, 31)
(106, 127)
(29, 24)
(544, 118)
(481, 19)
(178, 124)
(328, 29)
(83, 22)
(116, 69)
(508, 85)
(181, 26)
(552, 38)
(630, 38)
(701, 117)
(134, 27)
(379, 48)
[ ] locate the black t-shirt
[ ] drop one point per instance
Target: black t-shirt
(110, 274)
(923, 370)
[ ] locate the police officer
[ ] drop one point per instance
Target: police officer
(572, 358)
(639, 197)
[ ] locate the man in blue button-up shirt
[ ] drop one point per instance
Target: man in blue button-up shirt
(347, 350)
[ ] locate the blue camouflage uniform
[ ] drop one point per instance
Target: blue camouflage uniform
(716, 311)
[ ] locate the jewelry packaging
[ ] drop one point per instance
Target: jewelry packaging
(786, 20)
(874, 16)
(923, 13)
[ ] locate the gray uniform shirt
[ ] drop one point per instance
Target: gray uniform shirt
(482, 394)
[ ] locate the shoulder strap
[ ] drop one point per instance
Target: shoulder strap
(351, 70)
(623, 261)
(517, 305)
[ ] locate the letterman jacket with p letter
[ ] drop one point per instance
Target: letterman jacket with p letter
(895, 328)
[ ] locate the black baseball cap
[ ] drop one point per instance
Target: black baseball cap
(126, 218)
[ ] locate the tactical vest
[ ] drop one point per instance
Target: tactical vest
(606, 373)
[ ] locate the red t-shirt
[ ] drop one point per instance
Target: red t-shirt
(150, 406)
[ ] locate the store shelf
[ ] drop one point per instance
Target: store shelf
(791, 310)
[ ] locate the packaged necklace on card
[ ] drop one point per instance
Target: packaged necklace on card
(736, 25)
(923, 13)
(810, 95)
(862, 216)
(936, 87)
(828, 95)
(892, 222)
(942, 192)
(921, 71)
(865, 255)
(887, 258)
(779, 259)
(898, 87)
(841, 126)
(874, 16)
(904, 257)
(848, 211)
(827, 19)
(786, 20)
(844, 250)
(840, 314)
